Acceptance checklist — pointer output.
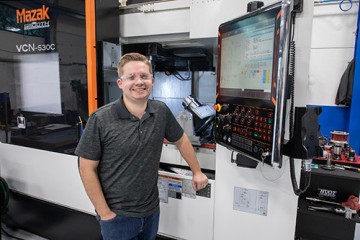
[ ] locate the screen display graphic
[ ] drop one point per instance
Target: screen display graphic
(247, 60)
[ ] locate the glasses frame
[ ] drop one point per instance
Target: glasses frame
(134, 77)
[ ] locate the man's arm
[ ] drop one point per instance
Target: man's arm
(90, 179)
(186, 149)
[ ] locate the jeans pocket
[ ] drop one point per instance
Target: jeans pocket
(108, 220)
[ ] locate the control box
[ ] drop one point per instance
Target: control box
(248, 128)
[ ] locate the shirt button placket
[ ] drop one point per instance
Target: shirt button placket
(140, 132)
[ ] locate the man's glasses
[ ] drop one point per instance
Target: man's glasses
(133, 77)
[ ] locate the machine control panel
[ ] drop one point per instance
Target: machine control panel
(248, 128)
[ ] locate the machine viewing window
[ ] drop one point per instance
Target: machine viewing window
(43, 83)
(252, 71)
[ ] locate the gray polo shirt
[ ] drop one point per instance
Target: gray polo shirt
(129, 151)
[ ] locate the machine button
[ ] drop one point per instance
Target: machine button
(227, 119)
(219, 119)
(224, 108)
(236, 109)
(217, 107)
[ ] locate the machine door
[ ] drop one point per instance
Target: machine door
(185, 214)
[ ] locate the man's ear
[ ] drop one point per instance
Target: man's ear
(119, 83)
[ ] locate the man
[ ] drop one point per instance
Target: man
(120, 153)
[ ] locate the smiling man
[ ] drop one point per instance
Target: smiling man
(120, 153)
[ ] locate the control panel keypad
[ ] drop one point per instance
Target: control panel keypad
(244, 127)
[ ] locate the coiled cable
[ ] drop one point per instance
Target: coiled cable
(296, 189)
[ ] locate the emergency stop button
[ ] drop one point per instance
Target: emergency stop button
(217, 107)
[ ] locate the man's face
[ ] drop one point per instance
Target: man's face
(136, 81)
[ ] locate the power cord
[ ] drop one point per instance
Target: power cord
(296, 189)
(279, 173)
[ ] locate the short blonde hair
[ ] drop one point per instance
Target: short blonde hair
(130, 57)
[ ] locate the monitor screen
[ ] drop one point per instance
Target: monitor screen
(247, 56)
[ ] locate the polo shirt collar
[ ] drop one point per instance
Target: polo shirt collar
(122, 111)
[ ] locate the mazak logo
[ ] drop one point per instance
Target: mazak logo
(327, 193)
(33, 19)
(33, 15)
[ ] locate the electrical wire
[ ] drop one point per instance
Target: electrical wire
(291, 118)
(296, 189)
(180, 77)
(283, 167)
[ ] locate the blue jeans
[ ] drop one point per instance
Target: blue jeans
(130, 228)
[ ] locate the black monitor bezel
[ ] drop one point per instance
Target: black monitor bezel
(226, 27)
(279, 78)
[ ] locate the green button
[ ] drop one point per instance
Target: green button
(270, 120)
(256, 135)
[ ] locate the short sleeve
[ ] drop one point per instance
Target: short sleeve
(89, 146)
(173, 131)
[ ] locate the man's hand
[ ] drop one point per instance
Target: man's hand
(109, 215)
(199, 181)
